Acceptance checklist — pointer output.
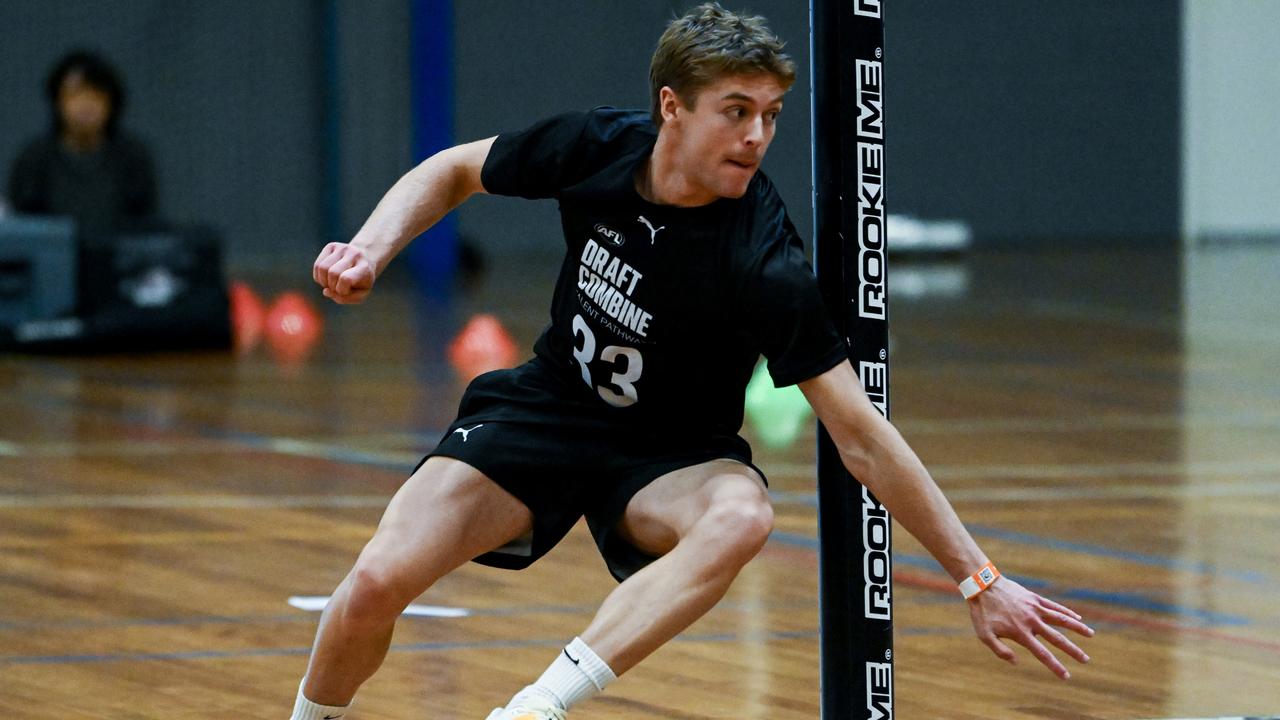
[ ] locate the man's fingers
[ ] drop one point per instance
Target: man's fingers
(335, 270)
(320, 269)
(1068, 622)
(351, 298)
(1043, 655)
(1059, 607)
(352, 278)
(1002, 651)
(1061, 642)
(321, 266)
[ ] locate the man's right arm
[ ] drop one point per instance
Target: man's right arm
(417, 201)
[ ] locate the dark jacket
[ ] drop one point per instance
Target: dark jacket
(108, 189)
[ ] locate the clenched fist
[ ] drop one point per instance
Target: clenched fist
(345, 273)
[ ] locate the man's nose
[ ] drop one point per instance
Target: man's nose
(755, 131)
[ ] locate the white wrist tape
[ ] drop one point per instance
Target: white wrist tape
(979, 581)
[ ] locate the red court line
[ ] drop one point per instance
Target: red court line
(926, 582)
(933, 583)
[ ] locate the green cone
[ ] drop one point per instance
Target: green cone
(777, 415)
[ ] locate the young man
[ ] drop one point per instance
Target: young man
(682, 268)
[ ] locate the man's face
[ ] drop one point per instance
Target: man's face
(84, 108)
(723, 138)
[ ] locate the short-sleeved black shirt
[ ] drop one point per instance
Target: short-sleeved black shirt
(660, 312)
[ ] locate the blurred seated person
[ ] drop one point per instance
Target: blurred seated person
(86, 167)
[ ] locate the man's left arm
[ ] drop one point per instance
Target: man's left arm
(876, 454)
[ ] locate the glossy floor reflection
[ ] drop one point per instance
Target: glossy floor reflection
(1107, 423)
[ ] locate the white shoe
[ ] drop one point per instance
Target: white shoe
(530, 708)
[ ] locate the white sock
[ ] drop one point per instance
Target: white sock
(304, 709)
(577, 674)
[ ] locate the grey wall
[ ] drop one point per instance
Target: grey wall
(254, 129)
(224, 93)
(1232, 149)
(371, 139)
(1035, 120)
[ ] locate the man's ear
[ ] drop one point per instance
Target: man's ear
(669, 104)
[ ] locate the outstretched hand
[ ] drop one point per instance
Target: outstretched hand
(345, 273)
(1008, 610)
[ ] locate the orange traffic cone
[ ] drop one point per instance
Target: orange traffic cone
(248, 317)
(481, 346)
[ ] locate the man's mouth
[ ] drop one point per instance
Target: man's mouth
(744, 164)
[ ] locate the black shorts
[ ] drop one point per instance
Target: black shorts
(560, 460)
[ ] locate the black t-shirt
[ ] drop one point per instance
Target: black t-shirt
(660, 312)
(107, 189)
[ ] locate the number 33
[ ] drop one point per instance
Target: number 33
(631, 361)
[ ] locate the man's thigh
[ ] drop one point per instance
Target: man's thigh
(663, 511)
(445, 514)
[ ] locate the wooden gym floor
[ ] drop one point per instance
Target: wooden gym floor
(1108, 424)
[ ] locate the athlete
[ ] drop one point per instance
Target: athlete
(681, 269)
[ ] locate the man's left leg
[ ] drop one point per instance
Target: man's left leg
(705, 522)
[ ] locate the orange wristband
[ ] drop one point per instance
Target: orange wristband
(979, 581)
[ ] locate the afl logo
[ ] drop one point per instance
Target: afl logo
(609, 235)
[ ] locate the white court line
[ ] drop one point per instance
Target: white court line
(318, 603)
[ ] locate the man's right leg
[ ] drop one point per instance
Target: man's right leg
(446, 514)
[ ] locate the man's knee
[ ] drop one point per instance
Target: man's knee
(376, 590)
(739, 522)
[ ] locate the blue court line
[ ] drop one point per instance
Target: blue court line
(1091, 549)
(428, 647)
(403, 647)
(1129, 600)
(85, 624)
(328, 453)
(300, 616)
(305, 616)
(142, 418)
(1117, 554)
(1138, 601)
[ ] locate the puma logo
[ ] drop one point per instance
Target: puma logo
(467, 431)
(653, 232)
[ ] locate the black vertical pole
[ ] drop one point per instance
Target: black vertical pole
(847, 48)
